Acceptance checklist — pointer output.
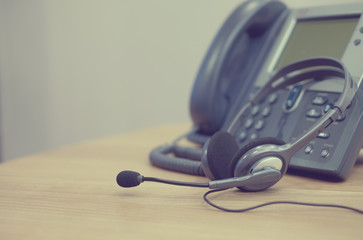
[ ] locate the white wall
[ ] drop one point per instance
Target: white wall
(71, 70)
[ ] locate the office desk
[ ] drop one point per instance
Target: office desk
(71, 193)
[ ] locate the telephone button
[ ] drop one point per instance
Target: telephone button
(255, 110)
(324, 135)
(319, 100)
(308, 149)
(324, 153)
(254, 136)
(259, 124)
(242, 136)
(313, 113)
(249, 123)
(293, 96)
(272, 98)
(327, 107)
(266, 111)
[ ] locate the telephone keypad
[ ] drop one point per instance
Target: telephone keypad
(256, 123)
(320, 149)
(270, 119)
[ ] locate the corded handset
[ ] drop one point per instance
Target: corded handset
(236, 51)
(257, 39)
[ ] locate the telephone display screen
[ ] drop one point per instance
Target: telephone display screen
(318, 38)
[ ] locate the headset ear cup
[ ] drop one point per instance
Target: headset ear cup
(220, 151)
(249, 146)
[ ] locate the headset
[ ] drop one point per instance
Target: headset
(263, 162)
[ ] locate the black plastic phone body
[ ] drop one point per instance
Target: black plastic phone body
(240, 60)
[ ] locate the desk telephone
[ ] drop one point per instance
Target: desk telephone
(256, 40)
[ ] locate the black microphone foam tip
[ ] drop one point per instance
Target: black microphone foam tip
(128, 179)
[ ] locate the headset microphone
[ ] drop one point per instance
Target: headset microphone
(253, 181)
(129, 179)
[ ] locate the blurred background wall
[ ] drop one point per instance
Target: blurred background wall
(72, 70)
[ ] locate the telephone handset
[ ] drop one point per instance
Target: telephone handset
(259, 38)
(228, 65)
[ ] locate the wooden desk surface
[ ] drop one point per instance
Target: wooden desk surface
(71, 193)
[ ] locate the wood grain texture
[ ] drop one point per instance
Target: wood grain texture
(71, 193)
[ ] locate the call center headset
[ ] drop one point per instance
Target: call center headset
(261, 163)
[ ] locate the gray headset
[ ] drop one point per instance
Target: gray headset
(265, 160)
